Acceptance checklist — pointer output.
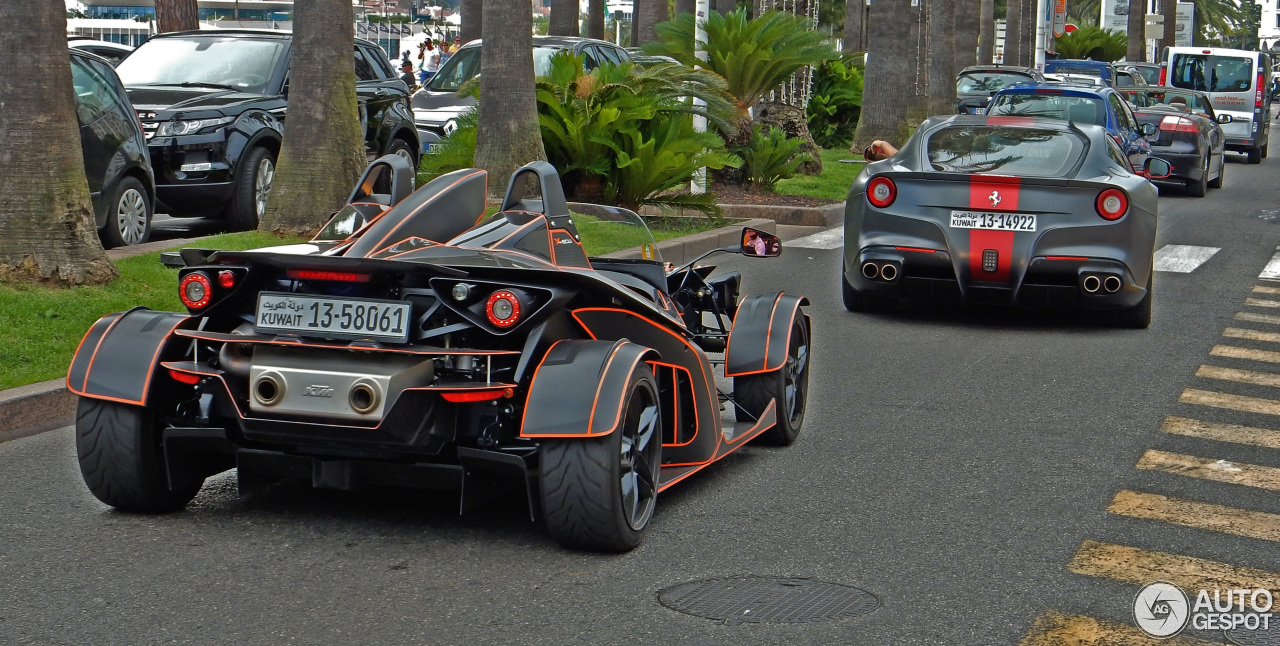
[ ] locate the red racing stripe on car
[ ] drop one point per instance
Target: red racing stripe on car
(1010, 121)
(981, 240)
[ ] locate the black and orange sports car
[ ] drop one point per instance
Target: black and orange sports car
(417, 342)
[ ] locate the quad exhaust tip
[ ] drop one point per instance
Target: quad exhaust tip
(1091, 284)
(1112, 284)
(268, 389)
(888, 272)
(364, 397)
(870, 270)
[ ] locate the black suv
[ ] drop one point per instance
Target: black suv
(213, 102)
(977, 84)
(115, 153)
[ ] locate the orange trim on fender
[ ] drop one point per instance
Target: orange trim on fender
(425, 204)
(675, 389)
(89, 368)
(751, 433)
(766, 368)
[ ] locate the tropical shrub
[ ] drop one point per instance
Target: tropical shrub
(1095, 43)
(835, 103)
(767, 158)
(456, 151)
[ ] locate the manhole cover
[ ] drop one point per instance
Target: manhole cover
(768, 600)
(1259, 637)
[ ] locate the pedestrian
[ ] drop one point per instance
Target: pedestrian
(406, 69)
(430, 63)
(878, 150)
(445, 52)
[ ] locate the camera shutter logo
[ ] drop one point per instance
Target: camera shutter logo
(1161, 609)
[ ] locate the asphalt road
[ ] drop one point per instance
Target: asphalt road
(958, 464)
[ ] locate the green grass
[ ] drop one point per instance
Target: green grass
(600, 239)
(832, 184)
(40, 327)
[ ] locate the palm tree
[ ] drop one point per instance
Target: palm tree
(649, 14)
(967, 28)
(595, 18)
(564, 18)
(507, 135)
(1222, 16)
(686, 6)
(986, 31)
(47, 232)
(855, 26)
(941, 29)
(322, 154)
(1013, 33)
(177, 15)
(472, 26)
(1168, 9)
(1137, 50)
(890, 77)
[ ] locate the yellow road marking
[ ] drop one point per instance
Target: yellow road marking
(1258, 302)
(1266, 290)
(1132, 565)
(1252, 335)
(1198, 515)
(1247, 475)
(1233, 402)
(1057, 629)
(1257, 318)
(1245, 353)
(1242, 376)
(1222, 432)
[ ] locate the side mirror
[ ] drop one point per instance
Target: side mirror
(1156, 168)
(1225, 118)
(1148, 129)
(760, 244)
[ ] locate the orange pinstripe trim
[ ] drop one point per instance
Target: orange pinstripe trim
(427, 203)
(197, 334)
(676, 389)
(769, 330)
(525, 413)
(766, 368)
(735, 445)
(77, 353)
(89, 368)
(591, 418)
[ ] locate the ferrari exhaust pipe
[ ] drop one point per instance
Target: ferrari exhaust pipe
(268, 390)
(1091, 284)
(364, 397)
(870, 270)
(1112, 284)
(888, 272)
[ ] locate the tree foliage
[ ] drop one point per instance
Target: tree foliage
(770, 157)
(835, 102)
(1092, 42)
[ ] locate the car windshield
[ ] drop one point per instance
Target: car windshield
(465, 65)
(1079, 71)
(1185, 100)
(1081, 109)
(242, 63)
(987, 82)
(1011, 150)
(1212, 73)
(1151, 74)
(606, 229)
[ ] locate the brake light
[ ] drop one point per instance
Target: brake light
(1164, 75)
(916, 249)
(340, 276)
(1174, 123)
(184, 377)
(476, 395)
(195, 290)
(227, 279)
(1257, 97)
(1112, 204)
(502, 308)
(1048, 91)
(881, 192)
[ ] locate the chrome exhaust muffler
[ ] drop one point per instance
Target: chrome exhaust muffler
(1112, 284)
(1091, 284)
(364, 396)
(888, 272)
(268, 388)
(870, 270)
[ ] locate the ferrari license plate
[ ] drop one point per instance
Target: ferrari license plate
(352, 318)
(993, 221)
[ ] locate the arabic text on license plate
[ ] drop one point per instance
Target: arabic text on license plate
(993, 221)
(350, 318)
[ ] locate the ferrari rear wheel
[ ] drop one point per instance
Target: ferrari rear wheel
(120, 458)
(1200, 187)
(1218, 181)
(599, 493)
(1137, 317)
(788, 385)
(856, 301)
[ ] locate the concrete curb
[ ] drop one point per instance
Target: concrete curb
(827, 215)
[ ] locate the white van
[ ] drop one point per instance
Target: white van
(1236, 81)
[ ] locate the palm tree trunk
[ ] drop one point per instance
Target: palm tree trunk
(637, 6)
(652, 12)
(986, 31)
(47, 232)
(1168, 9)
(507, 136)
(564, 18)
(1013, 33)
(177, 15)
(942, 56)
(686, 6)
(472, 26)
(855, 26)
(725, 6)
(322, 154)
(890, 75)
(595, 19)
(966, 45)
(1137, 24)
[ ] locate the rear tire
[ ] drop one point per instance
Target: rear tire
(1264, 149)
(254, 178)
(128, 215)
(1255, 155)
(120, 458)
(856, 301)
(1137, 317)
(599, 493)
(788, 385)
(1199, 187)
(1218, 181)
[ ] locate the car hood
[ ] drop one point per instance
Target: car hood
(439, 106)
(149, 98)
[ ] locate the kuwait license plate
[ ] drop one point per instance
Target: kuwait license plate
(349, 318)
(993, 221)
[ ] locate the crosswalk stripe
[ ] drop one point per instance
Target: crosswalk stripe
(1238, 473)
(1233, 402)
(1272, 270)
(829, 239)
(1138, 566)
(1252, 335)
(1057, 629)
(1197, 515)
(1257, 318)
(1258, 289)
(1233, 433)
(1241, 376)
(1245, 353)
(1257, 302)
(1182, 259)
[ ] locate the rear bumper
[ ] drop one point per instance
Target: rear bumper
(1186, 166)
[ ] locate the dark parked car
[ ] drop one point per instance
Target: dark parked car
(115, 153)
(437, 104)
(213, 104)
(1189, 135)
(976, 85)
(1102, 106)
(1149, 71)
(113, 52)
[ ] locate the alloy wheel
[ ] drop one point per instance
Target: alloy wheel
(638, 463)
(131, 216)
(262, 182)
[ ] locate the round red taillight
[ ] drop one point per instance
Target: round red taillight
(1112, 204)
(195, 290)
(227, 279)
(503, 308)
(881, 192)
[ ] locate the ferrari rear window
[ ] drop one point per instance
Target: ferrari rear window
(1007, 150)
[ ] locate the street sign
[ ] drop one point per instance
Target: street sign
(1185, 29)
(1059, 18)
(1154, 26)
(1070, 27)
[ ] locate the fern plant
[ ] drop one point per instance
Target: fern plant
(768, 158)
(835, 103)
(1095, 43)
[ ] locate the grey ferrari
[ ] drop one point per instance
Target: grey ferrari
(1006, 210)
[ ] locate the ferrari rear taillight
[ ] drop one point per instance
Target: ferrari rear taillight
(339, 276)
(881, 192)
(502, 308)
(195, 290)
(1175, 123)
(1112, 204)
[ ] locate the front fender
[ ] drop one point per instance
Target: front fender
(761, 333)
(578, 389)
(117, 358)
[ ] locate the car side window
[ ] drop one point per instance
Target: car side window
(612, 55)
(364, 69)
(1123, 80)
(1117, 155)
(94, 94)
(1122, 113)
(590, 58)
(381, 65)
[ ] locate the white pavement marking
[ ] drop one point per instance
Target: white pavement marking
(1183, 259)
(829, 239)
(1272, 270)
